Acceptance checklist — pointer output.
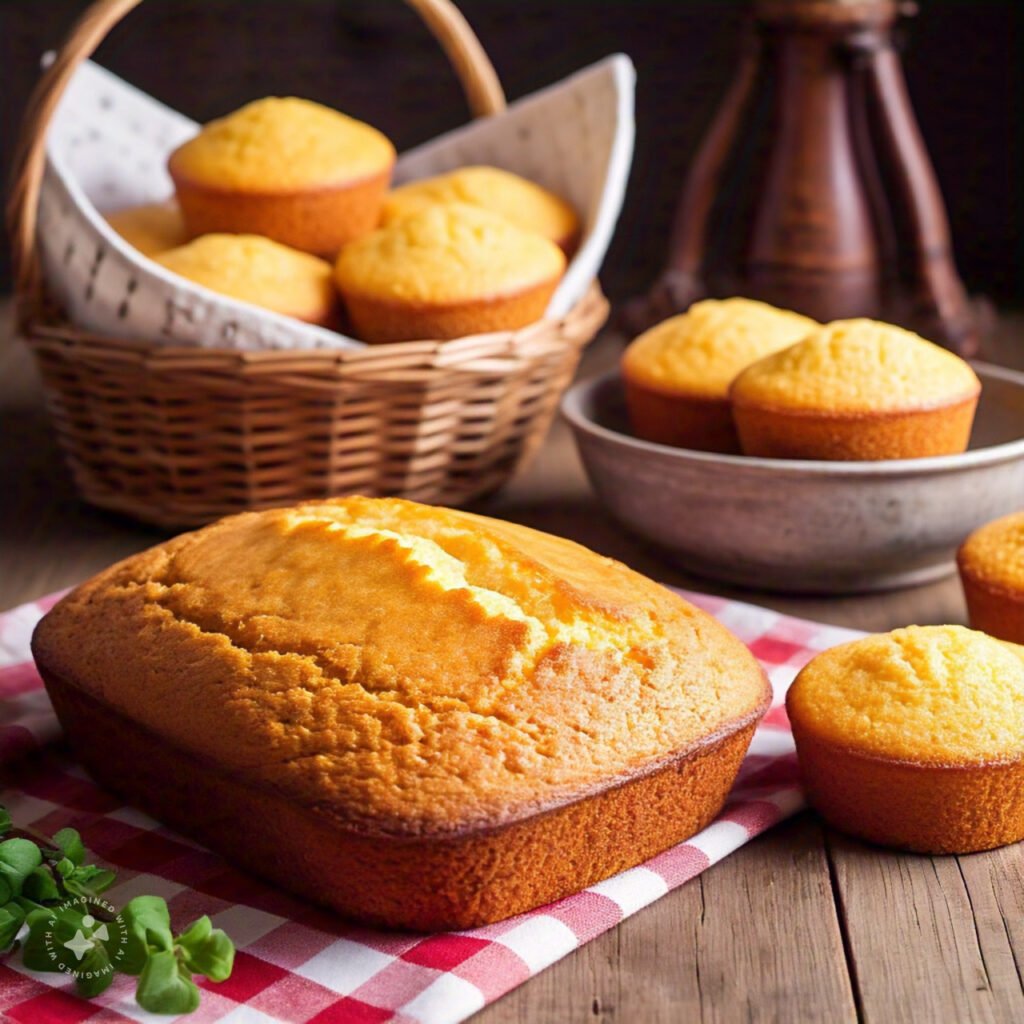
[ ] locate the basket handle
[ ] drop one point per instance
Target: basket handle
(444, 20)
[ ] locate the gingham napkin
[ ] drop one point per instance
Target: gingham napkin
(299, 964)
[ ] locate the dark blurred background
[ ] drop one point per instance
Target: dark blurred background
(373, 59)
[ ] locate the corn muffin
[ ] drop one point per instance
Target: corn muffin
(856, 390)
(445, 272)
(526, 204)
(677, 374)
(423, 718)
(297, 172)
(991, 564)
(152, 229)
(915, 738)
(257, 270)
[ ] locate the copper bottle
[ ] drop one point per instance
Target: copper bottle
(813, 189)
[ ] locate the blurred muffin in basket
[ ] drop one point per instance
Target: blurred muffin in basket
(257, 270)
(152, 229)
(677, 374)
(526, 204)
(290, 169)
(991, 564)
(915, 738)
(856, 390)
(445, 272)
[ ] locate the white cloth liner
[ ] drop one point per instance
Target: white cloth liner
(108, 146)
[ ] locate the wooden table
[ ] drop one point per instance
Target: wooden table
(802, 924)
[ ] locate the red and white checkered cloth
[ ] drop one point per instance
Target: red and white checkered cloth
(296, 963)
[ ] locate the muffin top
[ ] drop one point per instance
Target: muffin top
(856, 366)
(402, 666)
(257, 270)
(995, 552)
(701, 351)
(282, 144)
(933, 694)
(447, 254)
(153, 228)
(526, 204)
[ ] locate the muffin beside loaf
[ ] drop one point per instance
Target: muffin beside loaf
(915, 738)
(856, 390)
(677, 374)
(422, 718)
(991, 564)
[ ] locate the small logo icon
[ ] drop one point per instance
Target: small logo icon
(80, 945)
(98, 944)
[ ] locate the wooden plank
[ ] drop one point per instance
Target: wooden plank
(770, 948)
(754, 938)
(927, 946)
(995, 888)
(48, 539)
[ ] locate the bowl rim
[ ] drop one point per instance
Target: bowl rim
(572, 409)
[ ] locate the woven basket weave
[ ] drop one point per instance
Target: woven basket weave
(179, 436)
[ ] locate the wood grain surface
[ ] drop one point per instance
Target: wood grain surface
(802, 924)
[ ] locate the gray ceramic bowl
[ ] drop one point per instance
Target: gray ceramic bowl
(816, 527)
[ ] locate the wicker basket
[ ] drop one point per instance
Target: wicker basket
(180, 436)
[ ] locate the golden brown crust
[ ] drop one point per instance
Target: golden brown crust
(992, 607)
(770, 432)
(421, 717)
(416, 670)
(928, 808)
(422, 883)
(256, 270)
(681, 420)
(319, 221)
(380, 321)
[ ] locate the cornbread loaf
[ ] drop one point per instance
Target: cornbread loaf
(152, 228)
(446, 272)
(991, 564)
(422, 718)
(677, 374)
(915, 738)
(257, 270)
(525, 203)
(858, 390)
(287, 168)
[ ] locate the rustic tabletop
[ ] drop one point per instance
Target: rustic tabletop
(802, 924)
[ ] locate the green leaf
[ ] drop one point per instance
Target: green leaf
(163, 988)
(89, 880)
(98, 879)
(11, 919)
(207, 950)
(40, 886)
(134, 956)
(18, 859)
(32, 884)
(196, 933)
(94, 972)
(20, 854)
(148, 918)
(37, 952)
(69, 842)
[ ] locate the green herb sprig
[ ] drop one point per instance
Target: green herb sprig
(51, 909)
